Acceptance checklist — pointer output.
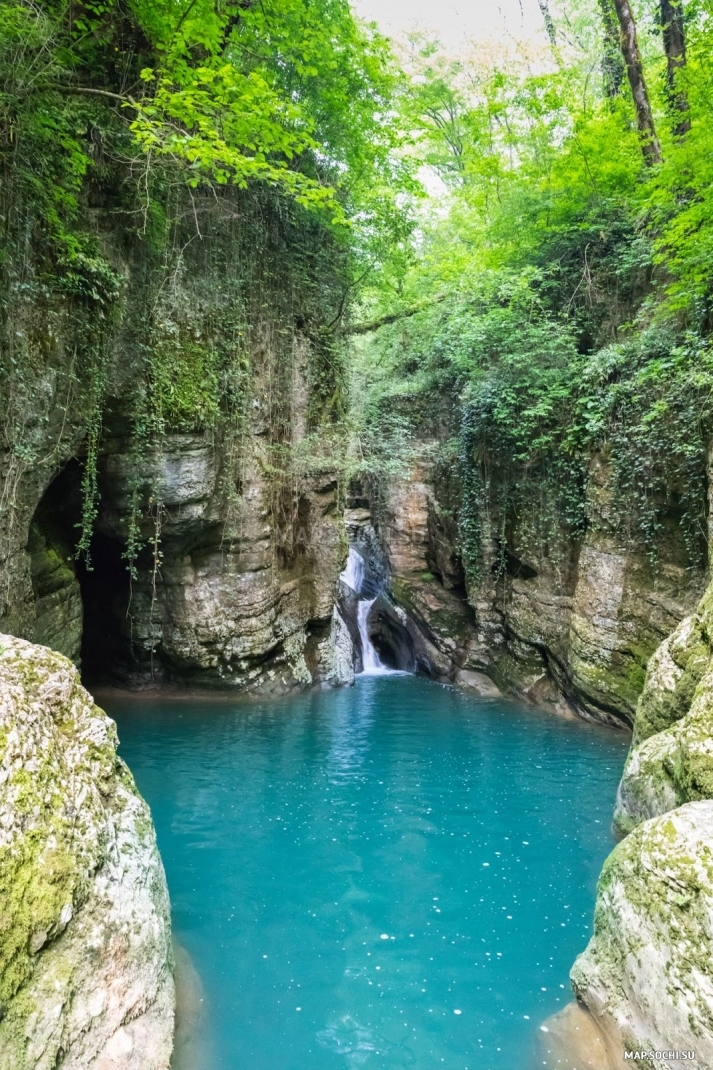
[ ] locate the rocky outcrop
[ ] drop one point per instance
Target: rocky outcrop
(85, 957)
(203, 400)
(671, 758)
(646, 978)
(248, 608)
(426, 581)
(647, 975)
(565, 622)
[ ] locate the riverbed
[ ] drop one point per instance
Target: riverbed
(390, 875)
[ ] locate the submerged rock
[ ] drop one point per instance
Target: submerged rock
(478, 682)
(572, 1040)
(85, 957)
(647, 974)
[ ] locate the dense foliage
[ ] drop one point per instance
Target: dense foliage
(559, 289)
(147, 144)
(550, 299)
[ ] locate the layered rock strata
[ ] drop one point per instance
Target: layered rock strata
(565, 622)
(202, 408)
(86, 977)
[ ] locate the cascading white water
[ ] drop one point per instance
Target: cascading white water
(353, 576)
(371, 660)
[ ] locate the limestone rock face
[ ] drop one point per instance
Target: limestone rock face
(86, 977)
(595, 610)
(647, 974)
(218, 468)
(566, 622)
(427, 579)
(248, 609)
(671, 759)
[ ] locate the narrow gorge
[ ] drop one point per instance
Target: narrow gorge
(357, 457)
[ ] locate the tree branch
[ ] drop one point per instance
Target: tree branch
(392, 317)
(97, 92)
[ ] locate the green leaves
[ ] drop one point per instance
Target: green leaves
(294, 94)
(291, 93)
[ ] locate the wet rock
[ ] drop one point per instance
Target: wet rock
(191, 1048)
(85, 961)
(335, 655)
(478, 682)
(572, 1040)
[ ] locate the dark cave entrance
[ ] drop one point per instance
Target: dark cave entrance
(82, 606)
(390, 637)
(106, 595)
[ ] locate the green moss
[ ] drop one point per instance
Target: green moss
(53, 848)
(446, 615)
(666, 876)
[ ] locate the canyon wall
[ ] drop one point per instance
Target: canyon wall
(564, 621)
(197, 406)
(187, 413)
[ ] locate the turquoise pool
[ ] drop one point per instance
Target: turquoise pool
(393, 875)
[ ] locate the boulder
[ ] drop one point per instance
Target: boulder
(86, 978)
(477, 682)
(647, 974)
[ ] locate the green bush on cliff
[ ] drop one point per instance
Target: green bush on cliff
(159, 124)
(559, 293)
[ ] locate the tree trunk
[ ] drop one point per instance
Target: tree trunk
(634, 68)
(612, 62)
(674, 43)
(549, 22)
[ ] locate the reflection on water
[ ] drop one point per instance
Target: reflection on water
(392, 875)
(350, 742)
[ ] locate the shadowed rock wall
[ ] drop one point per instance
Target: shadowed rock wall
(230, 517)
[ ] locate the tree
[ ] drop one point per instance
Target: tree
(674, 43)
(634, 68)
(612, 63)
(549, 21)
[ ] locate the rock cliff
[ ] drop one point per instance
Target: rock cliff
(565, 621)
(191, 444)
(647, 974)
(645, 978)
(86, 977)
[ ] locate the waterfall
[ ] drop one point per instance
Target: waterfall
(353, 574)
(372, 661)
(353, 577)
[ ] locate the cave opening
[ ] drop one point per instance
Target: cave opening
(105, 584)
(391, 638)
(81, 603)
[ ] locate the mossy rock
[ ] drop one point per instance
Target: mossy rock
(673, 675)
(671, 757)
(647, 974)
(85, 959)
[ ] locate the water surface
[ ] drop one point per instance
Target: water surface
(392, 875)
